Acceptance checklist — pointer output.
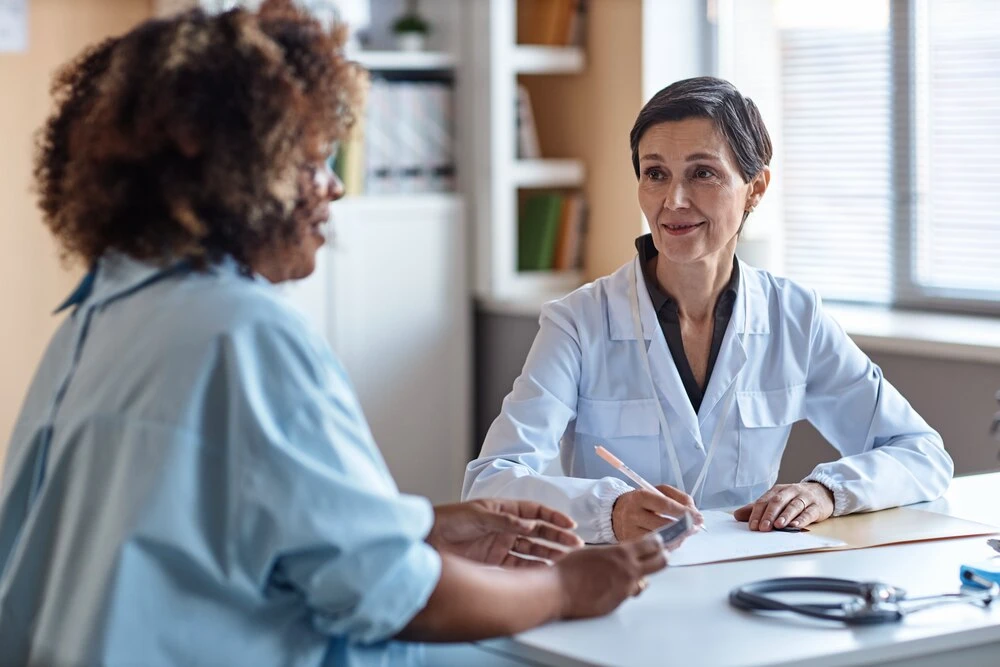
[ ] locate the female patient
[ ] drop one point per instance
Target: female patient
(191, 480)
(692, 366)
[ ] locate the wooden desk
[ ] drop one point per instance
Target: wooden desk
(684, 617)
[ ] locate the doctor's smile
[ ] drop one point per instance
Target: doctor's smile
(679, 229)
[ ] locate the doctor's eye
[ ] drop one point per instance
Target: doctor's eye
(702, 173)
(653, 173)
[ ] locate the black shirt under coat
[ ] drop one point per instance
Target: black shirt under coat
(670, 324)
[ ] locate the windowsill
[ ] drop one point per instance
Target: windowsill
(935, 335)
(873, 328)
(522, 306)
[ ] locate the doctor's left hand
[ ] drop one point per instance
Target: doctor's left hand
(795, 505)
(487, 530)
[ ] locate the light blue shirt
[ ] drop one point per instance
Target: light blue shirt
(782, 360)
(191, 482)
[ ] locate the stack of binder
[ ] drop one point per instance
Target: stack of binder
(404, 143)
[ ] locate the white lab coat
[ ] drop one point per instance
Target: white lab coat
(584, 383)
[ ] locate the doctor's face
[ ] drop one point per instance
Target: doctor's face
(691, 191)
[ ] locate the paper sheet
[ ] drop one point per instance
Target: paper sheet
(729, 539)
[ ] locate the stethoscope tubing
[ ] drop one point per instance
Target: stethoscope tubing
(755, 597)
(874, 602)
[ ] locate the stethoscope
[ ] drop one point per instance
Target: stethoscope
(870, 603)
(664, 427)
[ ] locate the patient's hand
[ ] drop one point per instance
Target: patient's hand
(788, 505)
(488, 530)
(637, 513)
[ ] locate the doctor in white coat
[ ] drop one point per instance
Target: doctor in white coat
(691, 366)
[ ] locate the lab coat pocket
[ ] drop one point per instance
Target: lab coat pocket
(628, 429)
(766, 419)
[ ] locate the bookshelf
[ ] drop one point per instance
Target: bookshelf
(498, 178)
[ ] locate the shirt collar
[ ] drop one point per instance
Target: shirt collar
(647, 249)
(80, 293)
(115, 275)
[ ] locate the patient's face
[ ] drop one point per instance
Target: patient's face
(690, 190)
(318, 186)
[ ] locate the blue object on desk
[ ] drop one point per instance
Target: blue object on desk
(981, 575)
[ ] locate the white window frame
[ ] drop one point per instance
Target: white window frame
(907, 23)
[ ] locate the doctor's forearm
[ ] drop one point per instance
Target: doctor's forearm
(895, 474)
(472, 602)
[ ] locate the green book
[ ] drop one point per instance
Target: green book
(537, 232)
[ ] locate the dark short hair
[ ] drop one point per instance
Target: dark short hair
(737, 117)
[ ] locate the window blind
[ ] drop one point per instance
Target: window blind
(836, 147)
(957, 121)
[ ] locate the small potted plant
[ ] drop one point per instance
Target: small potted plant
(411, 29)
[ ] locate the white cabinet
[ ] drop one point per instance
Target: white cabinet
(400, 321)
(391, 293)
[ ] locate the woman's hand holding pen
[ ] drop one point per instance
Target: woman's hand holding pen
(494, 531)
(639, 512)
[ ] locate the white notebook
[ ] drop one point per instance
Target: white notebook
(729, 539)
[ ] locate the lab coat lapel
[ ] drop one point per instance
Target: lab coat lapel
(750, 317)
(731, 360)
(667, 379)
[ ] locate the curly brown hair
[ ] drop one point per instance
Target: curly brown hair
(184, 138)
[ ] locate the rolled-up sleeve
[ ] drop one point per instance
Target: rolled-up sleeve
(891, 456)
(319, 515)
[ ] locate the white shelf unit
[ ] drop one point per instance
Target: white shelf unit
(404, 61)
(390, 292)
(532, 59)
(412, 204)
(496, 172)
(548, 173)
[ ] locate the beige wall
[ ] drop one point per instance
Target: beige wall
(32, 280)
(590, 116)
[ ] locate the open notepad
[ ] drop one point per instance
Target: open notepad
(729, 539)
